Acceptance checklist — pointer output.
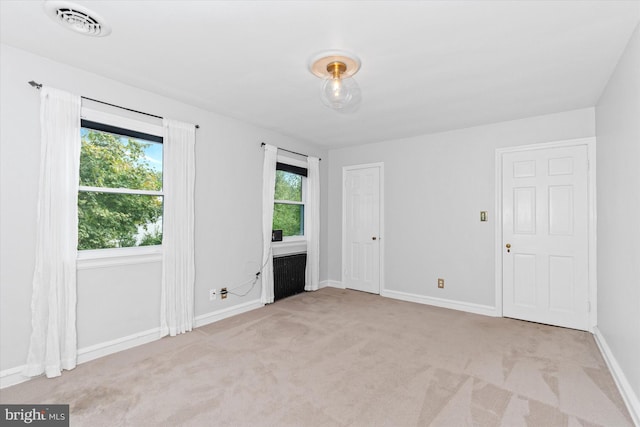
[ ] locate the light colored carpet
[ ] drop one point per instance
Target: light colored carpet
(345, 358)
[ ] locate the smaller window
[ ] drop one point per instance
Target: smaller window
(288, 208)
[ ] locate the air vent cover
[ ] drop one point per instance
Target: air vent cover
(77, 18)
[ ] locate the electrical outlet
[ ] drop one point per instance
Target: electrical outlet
(223, 293)
(212, 294)
(441, 283)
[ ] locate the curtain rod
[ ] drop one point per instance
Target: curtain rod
(39, 86)
(288, 151)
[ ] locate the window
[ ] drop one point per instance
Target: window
(288, 209)
(120, 197)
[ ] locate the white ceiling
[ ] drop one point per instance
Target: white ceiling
(426, 66)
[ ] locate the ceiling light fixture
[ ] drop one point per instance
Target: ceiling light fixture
(339, 90)
(77, 18)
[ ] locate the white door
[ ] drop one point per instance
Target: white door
(361, 228)
(545, 236)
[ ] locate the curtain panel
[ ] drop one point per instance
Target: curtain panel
(53, 341)
(268, 193)
(178, 260)
(312, 224)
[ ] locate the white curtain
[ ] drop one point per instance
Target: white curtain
(53, 343)
(312, 224)
(268, 193)
(178, 265)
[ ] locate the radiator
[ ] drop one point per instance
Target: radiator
(288, 275)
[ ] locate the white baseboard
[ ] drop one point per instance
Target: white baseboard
(331, 284)
(215, 316)
(629, 396)
(13, 376)
(421, 299)
(441, 302)
(119, 344)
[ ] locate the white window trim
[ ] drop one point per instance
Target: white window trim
(291, 161)
(121, 122)
(109, 257)
(99, 258)
(289, 247)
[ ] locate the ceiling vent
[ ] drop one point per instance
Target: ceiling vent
(77, 18)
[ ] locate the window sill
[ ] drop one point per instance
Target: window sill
(289, 246)
(100, 258)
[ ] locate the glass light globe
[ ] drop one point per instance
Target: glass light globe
(338, 93)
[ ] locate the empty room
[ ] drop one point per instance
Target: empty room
(320, 213)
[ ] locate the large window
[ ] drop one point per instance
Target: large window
(120, 196)
(288, 209)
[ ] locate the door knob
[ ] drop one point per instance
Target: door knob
(508, 247)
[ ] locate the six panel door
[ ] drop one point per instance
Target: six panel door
(545, 236)
(361, 246)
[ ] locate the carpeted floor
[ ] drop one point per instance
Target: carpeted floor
(345, 358)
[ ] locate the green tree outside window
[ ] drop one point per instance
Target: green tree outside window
(112, 220)
(288, 217)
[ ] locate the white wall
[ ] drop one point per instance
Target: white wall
(435, 187)
(618, 154)
(116, 302)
